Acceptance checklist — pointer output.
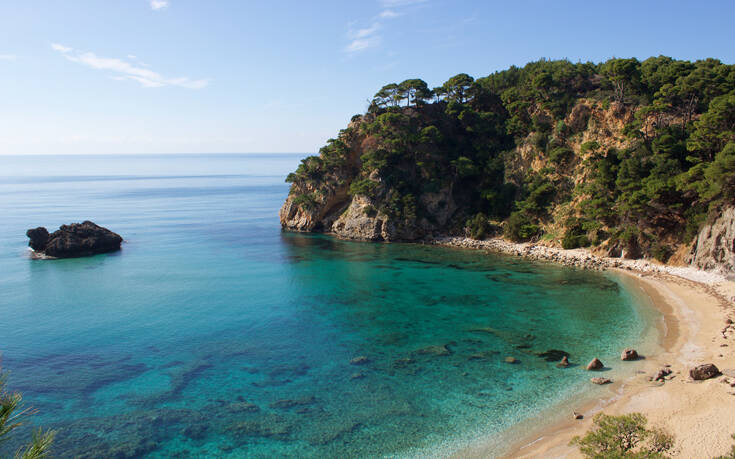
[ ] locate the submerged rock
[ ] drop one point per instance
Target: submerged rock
(629, 354)
(510, 359)
(291, 403)
(441, 350)
(553, 355)
(360, 360)
(75, 240)
(595, 365)
(704, 371)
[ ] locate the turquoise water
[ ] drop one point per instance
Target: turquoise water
(214, 334)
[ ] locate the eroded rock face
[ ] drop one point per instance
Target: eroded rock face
(361, 221)
(715, 247)
(74, 240)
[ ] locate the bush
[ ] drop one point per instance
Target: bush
(560, 155)
(575, 234)
(731, 454)
(363, 187)
(479, 226)
(519, 227)
(306, 201)
(661, 252)
(625, 436)
(539, 140)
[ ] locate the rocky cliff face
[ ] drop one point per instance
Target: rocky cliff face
(715, 246)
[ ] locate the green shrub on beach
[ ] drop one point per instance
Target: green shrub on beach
(731, 454)
(626, 436)
(12, 416)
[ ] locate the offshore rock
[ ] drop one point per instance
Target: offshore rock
(74, 240)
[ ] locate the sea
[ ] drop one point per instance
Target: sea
(213, 333)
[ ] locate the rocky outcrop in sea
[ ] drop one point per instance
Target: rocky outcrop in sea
(74, 240)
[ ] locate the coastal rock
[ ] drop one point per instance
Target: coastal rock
(629, 354)
(512, 360)
(714, 249)
(576, 415)
(563, 363)
(38, 238)
(595, 365)
(600, 381)
(74, 240)
(704, 371)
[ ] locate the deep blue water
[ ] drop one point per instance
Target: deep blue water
(212, 333)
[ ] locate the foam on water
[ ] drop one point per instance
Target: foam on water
(213, 333)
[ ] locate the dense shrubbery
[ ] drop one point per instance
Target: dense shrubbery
(677, 166)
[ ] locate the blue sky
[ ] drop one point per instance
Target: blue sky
(197, 76)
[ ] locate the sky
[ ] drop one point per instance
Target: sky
(238, 76)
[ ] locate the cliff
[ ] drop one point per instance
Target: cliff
(629, 158)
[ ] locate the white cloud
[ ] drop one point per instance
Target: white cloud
(399, 3)
(60, 48)
(362, 39)
(368, 37)
(126, 70)
(157, 5)
(389, 14)
(7, 57)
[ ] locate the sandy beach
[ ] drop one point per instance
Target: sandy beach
(694, 330)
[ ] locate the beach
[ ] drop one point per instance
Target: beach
(694, 330)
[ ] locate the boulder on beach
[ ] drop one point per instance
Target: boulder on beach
(74, 240)
(704, 371)
(662, 374)
(629, 354)
(595, 364)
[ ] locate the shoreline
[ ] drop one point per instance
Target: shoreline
(694, 305)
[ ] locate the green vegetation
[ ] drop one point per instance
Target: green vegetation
(12, 416)
(644, 151)
(626, 436)
(731, 454)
